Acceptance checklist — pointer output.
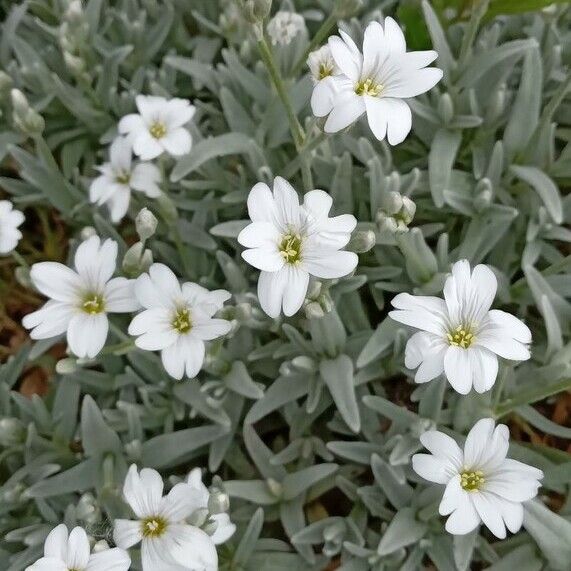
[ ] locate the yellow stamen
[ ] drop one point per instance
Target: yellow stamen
(153, 526)
(368, 87)
(462, 336)
(472, 481)
(290, 248)
(158, 130)
(182, 321)
(93, 304)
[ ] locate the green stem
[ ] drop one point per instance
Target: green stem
(20, 259)
(499, 386)
(320, 35)
(308, 146)
(535, 394)
(268, 59)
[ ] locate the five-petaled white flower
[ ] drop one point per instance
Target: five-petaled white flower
(377, 81)
(119, 177)
(224, 527)
(290, 242)
(481, 483)
(323, 72)
(460, 335)
(158, 127)
(80, 299)
(10, 219)
(177, 320)
(284, 27)
(64, 551)
(168, 542)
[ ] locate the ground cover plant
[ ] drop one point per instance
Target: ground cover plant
(285, 285)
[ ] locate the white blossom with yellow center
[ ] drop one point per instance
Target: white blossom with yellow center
(177, 320)
(460, 335)
(289, 242)
(160, 525)
(375, 82)
(158, 126)
(71, 551)
(81, 298)
(482, 484)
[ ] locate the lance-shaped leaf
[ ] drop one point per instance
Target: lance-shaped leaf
(403, 530)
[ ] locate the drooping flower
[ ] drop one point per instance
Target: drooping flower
(482, 485)
(460, 335)
(81, 298)
(224, 527)
(290, 242)
(177, 320)
(323, 72)
(158, 127)
(168, 542)
(64, 551)
(377, 81)
(10, 219)
(284, 27)
(119, 177)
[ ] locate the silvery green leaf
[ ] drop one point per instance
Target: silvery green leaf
(421, 263)
(390, 480)
(441, 159)
(239, 380)
(445, 57)
(169, 449)
(544, 187)
(220, 146)
(79, 478)
(524, 115)
(522, 558)
(190, 393)
(551, 532)
(464, 546)
(338, 376)
(299, 482)
(403, 530)
(97, 437)
(248, 541)
(380, 341)
(255, 491)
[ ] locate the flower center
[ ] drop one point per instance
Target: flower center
(153, 526)
(158, 130)
(325, 70)
(290, 248)
(462, 336)
(368, 87)
(182, 321)
(123, 177)
(93, 303)
(472, 481)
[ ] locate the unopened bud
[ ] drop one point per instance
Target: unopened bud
(134, 449)
(304, 364)
(137, 260)
(218, 502)
(255, 11)
(66, 366)
(362, 241)
(74, 63)
(167, 208)
(446, 108)
(12, 431)
(87, 232)
(275, 487)
(25, 118)
(396, 214)
(100, 546)
(199, 517)
(146, 224)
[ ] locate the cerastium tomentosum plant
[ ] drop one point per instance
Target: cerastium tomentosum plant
(249, 188)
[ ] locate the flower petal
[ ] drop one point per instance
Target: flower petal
(271, 286)
(286, 203)
(127, 533)
(453, 496)
(345, 58)
(55, 545)
(431, 468)
(181, 502)
(143, 491)
(458, 369)
(177, 142)
(347, 108)
(95, 262)
(490, 513)
(330, 265)
(78, 549)
(295, 290)
(86, 334)
(120, 296)
(56, 281)
(109, 560)
(464, 519)
(264, 259)
(261, 206)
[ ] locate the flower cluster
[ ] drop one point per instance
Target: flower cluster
(299, 244)
(374, 81)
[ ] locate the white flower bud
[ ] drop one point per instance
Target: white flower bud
(12, 431)
(218, 502)
(87, 232)
(146, 224)
(25, 118)
(362, 241)
(100, 546)
(66, 366)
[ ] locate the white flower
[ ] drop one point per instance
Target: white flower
(158, 126)
(64, 551)
(460, 335)
(177, 320)
(80, 299)
(290, 242)
(284, 27)
(376, 82)
(323, 72)
(119, 177)
(10, 219)
(168, 542)
(481, 483)
(224, 527)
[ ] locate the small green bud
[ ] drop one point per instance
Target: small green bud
(100, 546)
(446, 108)
(134, 449)
(218, 502)
(87, 232)
(66, 366)
(275, 487)
(362, 241)
(146, 224)
(26, 119)
(137, 260)
(12, 431)
(255, 11)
